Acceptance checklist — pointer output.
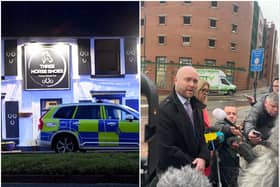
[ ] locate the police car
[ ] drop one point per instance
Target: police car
(82, 126)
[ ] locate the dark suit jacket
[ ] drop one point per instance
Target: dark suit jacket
(176, 141)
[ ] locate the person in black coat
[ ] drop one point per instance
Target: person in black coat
(227, 151)
(181, 135)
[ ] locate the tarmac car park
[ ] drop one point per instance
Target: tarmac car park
(83, 126)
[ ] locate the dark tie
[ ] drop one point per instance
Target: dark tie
(189, 111)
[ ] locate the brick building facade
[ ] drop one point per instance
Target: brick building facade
(215, 33)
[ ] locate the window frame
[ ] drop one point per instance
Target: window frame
(235, 8)
(186, 43)
(162, 18)
(214, 6)
(164, 39)
(188, 59)
(233, 46)
(209, 42)
(215, 22)
(234, 28)
(190, 19)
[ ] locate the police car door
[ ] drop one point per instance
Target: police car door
(90, 122)
(121, 127)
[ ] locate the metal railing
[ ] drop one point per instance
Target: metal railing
(163, 73)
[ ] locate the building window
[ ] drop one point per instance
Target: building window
(230, 64)
(142, 3)
(142, 40)
(185, 61)
(211, 43)
(161, 40)
(187, 20)
(235, 8)
(232, 46)
(234, 28)
(229, 72)
(161, 20)
(213, 23)
(187, 2)
(143, 64)
(142, 21)
(214, 4)
(107, 57)
(210, 62)
(186, 40)
(162, 2)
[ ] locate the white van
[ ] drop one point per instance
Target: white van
(217, 80)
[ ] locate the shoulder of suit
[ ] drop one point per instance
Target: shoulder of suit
(166, 101)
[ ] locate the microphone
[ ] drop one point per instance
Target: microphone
(221, 115)
(185, 176)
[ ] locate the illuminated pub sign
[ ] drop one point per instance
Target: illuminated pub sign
(46, 67)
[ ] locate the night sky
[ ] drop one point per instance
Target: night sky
(69, 18)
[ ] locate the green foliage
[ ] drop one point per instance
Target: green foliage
(70, 164)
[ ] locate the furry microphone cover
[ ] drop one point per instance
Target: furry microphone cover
(184, 177)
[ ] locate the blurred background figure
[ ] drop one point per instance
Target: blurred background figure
(261, 119)
(201, 93)
(274, 87)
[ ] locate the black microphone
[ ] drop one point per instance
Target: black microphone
(221, 115)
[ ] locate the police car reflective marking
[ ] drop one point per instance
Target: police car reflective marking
(111, 128)
(101, 127)
(88, 137)
(46, 136)
(50, 124)
(68, 125)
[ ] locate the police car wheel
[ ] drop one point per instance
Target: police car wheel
(65, 143)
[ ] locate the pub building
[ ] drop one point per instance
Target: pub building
(41, 72)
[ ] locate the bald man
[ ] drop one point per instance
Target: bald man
(180, 130)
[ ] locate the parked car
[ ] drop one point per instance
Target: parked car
(82, 126)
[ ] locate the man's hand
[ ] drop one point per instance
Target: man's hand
(250, 100)
(235, 131)
(253, 138)
(200, 164)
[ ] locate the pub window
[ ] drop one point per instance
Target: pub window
(107, 57)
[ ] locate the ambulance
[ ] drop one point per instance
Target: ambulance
(217, 80)
(83, 126)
